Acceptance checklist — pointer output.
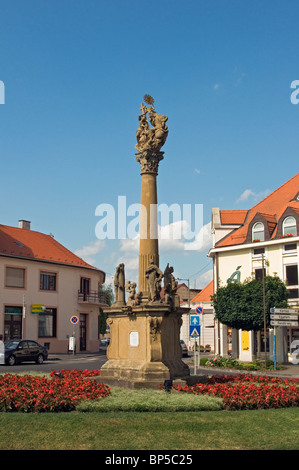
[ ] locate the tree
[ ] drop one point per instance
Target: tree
(240, 306)
(108, 292)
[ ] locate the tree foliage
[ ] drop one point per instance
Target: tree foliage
(108, 291)
(240, 306)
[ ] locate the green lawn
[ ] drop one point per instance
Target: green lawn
(151, 420)
(274, 429)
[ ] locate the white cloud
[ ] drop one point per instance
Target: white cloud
(239, 79)
(204, 279)
(245, 195)
(197, 171)
(248, 193)
(88, 252)
(203, 240)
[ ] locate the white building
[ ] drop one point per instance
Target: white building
(42, 285)
(207, 335)
(240, 238)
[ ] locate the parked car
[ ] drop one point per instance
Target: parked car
(184, 348)
(24, 350)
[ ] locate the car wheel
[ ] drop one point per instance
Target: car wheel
(11, 360)
(40, 359)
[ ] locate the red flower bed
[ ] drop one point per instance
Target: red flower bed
(240, 392)
(62, 392)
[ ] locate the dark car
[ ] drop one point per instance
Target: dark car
(24, 350)
(184, 348)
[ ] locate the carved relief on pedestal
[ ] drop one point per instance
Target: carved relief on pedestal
(155, 338)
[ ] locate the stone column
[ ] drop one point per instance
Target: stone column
(149, 245)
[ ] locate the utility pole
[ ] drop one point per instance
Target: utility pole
(264, 307)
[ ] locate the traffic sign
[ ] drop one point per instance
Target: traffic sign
(194, 320)
(283, 323)
(284, 310)
(194, 331)
(74, 319)
(277, 316)
(199, 310)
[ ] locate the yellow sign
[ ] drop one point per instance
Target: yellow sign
(245, 340)
(37, 308)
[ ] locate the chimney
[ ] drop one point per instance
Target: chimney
(24, 224)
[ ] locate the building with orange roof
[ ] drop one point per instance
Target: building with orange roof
(246, 242)
(201, 299)
(42, 285)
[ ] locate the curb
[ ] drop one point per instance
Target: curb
(272, 373)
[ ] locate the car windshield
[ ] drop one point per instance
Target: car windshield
(11, 344)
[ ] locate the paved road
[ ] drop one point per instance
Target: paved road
(93, 361)
(58, 362)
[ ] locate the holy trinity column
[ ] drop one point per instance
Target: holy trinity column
(149, 143)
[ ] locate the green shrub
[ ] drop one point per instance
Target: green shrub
(204, 360)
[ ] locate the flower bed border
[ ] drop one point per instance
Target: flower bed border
(61, 392)
(247, 392)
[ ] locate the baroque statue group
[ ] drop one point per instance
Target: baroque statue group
(154, 277)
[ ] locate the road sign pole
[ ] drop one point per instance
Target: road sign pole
(275, 358)
(74, 336)
(74, 320)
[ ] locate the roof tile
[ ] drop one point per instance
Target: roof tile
(271, 207)
(25, 243)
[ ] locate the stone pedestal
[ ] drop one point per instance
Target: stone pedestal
(145, 346)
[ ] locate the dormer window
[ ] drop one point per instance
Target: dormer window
(258, 232)
(289, 227)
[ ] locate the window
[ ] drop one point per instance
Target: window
(258, 251)
(47, 281)
(258, 232)
(47, 323)
(290, 247)
(12, 323)
(15, 277)
(259, 274)
(292, 280)
(289, 226)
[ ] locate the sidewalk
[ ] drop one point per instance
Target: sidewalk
(71, 356)
(289, 371)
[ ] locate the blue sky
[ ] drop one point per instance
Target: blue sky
(75, 73)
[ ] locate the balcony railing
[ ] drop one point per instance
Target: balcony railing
(93, 297)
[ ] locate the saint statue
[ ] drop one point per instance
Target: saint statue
(154, 277)
(119, 284)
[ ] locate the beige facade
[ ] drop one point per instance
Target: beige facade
(38, 298)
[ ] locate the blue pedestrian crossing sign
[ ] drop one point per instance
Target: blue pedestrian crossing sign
(194, 331)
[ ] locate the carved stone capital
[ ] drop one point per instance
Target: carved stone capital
(149, 161)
